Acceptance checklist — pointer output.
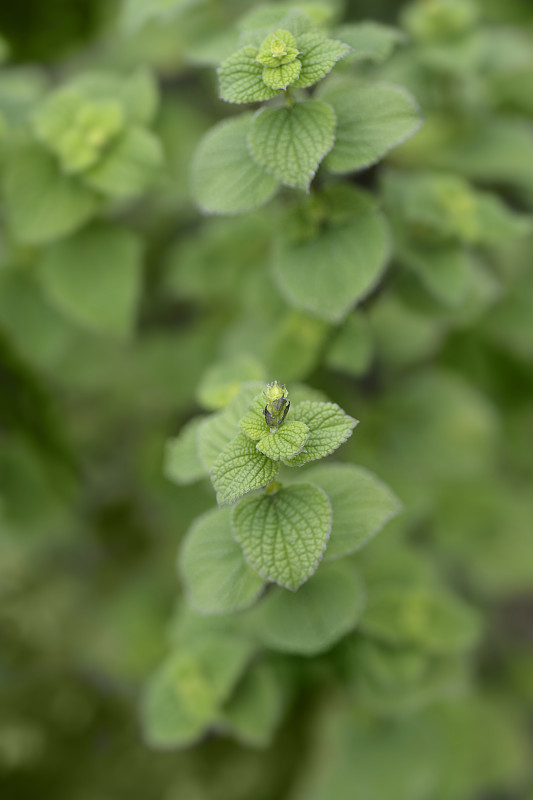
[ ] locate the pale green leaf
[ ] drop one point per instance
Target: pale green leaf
(254, 711)
(136, 13)
(318, 56)
(312, 619)
(42, 204)
(182, 463)
(434, 620)
(240, 468)
(288, 440)
(371, 120)
(225, 179)
(291, 142)
(223, 380)
(445, 269)
(357, 243)
(370, 41)
(241, 78)
(352, 348)
(360, 502)
(129, 167)
(277, 48)
(284, 535)
(220, 428)
(136, 92)
(253, 424)
(95, 278)
(328, 427)
(216, 576)
(185, 695)
(283, 75)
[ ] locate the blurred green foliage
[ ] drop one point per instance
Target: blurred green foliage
(124, 312)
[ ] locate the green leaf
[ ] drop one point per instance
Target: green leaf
(435, 620)
(95, 278)
(216, 577)
(312, 619)
(136, 92)
(253, 424)
(360, 502)
(277, 49)
(371, 120)
(370, 41)
(291, 142)
(239, 469)
(129, 167)
(445, 269)
(225, 179)
(356, 241)
(283, 75)
(254, 711)
(223, 380)
(288, 440)
(136, 13)
(219, 429)
(185, 695)
(241, 78)
(328, 427)
(352, 348)
(182, 463)
(318, 56)
(41, 203)
(284, 535)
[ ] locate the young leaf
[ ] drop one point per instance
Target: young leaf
(284, 535)
(291, 142)
(185, 695)
(371, 120)
(318, 56)
(328, 427)
(239, 469)
(254, 424)
(357, 243)
(241, 78)
(253, 712)
(129, 167)
(182, 463)
(95, 278)
(283, 75)
(311, 620)
(216, 576)
(288, 440)
(219, 429)
(41, 203)
(360, 502)
(225, 179)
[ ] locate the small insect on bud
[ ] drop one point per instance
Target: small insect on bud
(277, 405)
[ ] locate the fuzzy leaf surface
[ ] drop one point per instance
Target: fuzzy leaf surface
(329, 426)
(225, 179)
(284, 535)
(241, 78)
(283, 75)
(290, 143)
(371, 120)
(360, 502)
(240, 468)
(253, 424)
(287, 441)
(318, 56)
(216, 576)
(312, 619)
